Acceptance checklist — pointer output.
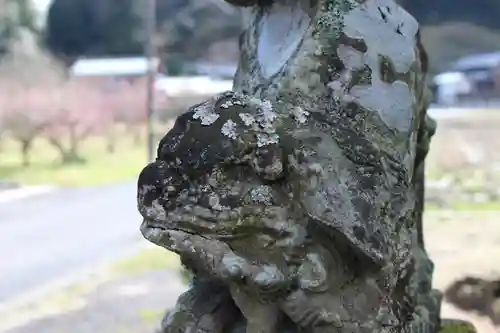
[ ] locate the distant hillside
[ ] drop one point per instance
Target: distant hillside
(451, 28)
(483, 13)
(455, 28)
(449, 41)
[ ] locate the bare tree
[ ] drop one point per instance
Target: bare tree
(26, 75)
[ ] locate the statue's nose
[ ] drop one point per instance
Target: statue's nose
(157, 186)
(149, 184)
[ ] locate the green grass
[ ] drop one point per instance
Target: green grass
(100, 167)
(152, 316)
(149, 260)
(456, 326)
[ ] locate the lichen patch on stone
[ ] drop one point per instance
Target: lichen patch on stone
(261, 194)
(300, 114)
(247, 119)
(264, 122)
(206, 115)
(264, 139)
(230, 102)
(229, 129)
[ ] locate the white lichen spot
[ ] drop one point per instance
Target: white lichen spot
(265, 139)
(266, 106)
(229, 129)
(205, 115)
(254, 101)
(268, 115)
(264, 122)
(205, 188)
(227, 104)
(247, 119)
(261, 194)
(300, 115)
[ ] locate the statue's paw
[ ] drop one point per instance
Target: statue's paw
(269, 281)
(298, 309)
(234, 268)
(302, 311)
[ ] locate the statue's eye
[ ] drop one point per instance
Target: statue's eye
(170, 190)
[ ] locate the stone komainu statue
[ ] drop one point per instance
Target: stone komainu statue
(296, 199)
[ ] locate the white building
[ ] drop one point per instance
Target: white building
(449, 86)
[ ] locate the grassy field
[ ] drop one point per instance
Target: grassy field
(465, 144)
(100, 167)
(465, 148)
(464, 162)
(146, 261)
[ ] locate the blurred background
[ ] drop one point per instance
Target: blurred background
(88, 87)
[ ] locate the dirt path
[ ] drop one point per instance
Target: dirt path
(463, 244)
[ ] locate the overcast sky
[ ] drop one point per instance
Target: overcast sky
(41, 5)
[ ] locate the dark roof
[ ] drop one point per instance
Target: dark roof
(477, 61)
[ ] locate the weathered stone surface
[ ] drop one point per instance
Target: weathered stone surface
(296, 199)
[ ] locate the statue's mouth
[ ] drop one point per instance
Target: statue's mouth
(172, 225)
(158, 232)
